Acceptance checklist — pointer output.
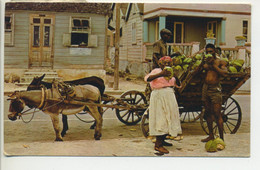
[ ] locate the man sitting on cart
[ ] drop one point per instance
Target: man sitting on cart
(211, 91)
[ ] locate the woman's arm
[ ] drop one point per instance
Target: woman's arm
(163, 73)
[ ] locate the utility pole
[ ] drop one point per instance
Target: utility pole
(117, 36)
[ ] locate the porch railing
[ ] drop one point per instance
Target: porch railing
(191, 49)
(184, 48)
(238, 53)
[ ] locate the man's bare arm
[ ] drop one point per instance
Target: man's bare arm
(156, 58)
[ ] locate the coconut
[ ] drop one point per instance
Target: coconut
(170, 70)
(211, 146)
(185, 66)
(240, 61)
(208, 55)
(178, 67)
(198, 57)
(232, 69)
(187, 60)
(219, 143)
(225, 59)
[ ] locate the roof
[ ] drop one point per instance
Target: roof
(94, 8)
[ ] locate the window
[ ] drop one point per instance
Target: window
(80, 33)
(212, 27)
(9, 30)
(245, 29)
(80, 30)
(134, 33)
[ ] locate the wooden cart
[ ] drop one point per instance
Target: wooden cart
(191, 106)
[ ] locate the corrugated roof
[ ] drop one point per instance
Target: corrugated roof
(94, 8)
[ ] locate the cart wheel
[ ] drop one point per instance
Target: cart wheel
(231, 114)
(131, 117)
(145, 123)
(187, 117)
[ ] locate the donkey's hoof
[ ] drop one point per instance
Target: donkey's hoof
(97, 136)
(59, 139)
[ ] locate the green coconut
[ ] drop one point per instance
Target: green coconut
(240, 61)
(232, 69)
(198, 57)
(187, 60)
(235, 63)
(211, 146)
(170, 70)
(185, 66)
(208, 55)
(178, 67)
(219, 143)
(225, 59)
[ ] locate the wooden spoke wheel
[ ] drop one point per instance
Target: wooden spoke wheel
(132, 116)
(189, 116)
(145, 124)
(231, 114)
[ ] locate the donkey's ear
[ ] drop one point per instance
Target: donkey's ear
(41, 78)
(11, 98)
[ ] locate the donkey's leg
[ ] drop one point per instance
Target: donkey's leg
(93, 126)
(99, 120)
(100, 109)
(55, 123)
(65, 125)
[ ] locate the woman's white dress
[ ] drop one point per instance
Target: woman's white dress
(164, 115)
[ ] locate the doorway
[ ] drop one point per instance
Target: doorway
(178, 35)
(41, 41)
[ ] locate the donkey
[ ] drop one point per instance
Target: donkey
(41, 99)
(93, 80)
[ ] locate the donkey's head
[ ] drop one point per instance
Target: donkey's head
(16, 105)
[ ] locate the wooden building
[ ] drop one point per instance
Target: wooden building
(66, 37)
(131, 37)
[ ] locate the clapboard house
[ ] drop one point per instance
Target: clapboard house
(68, 38)
(131, 37)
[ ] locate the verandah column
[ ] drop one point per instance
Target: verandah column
(145, 31)
(162, 23)
(223, 32)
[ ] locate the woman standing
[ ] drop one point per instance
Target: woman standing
(163, 110)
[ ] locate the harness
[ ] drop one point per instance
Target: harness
(43, 98)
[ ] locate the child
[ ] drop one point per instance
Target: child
(163, 109)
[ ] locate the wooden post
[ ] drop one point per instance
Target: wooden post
(117, 36)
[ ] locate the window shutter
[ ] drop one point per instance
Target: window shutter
(66, 39)
(92, 41)
(8, 37)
